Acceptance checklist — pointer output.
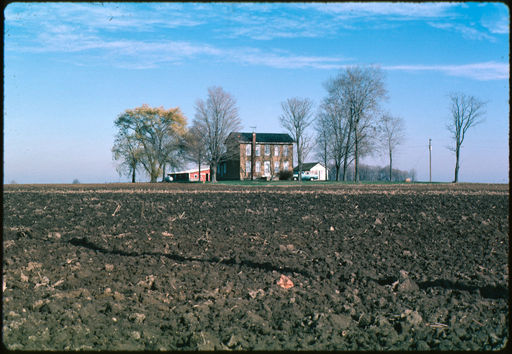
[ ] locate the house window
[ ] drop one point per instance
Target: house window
(285, 165)
(225, 167)
(258, 166)
(267, 150)
(276, 150)
(248, 166)
(276, 166)
(257, 150)
(285, 150)
(266, 166)
(248, 150)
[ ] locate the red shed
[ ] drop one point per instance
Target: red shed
(190, 175)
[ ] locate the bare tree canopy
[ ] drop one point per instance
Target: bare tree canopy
(466, 112)
(391, 135)
(128, 151)
(157, 133)
(333, 133)
(356, 93)
(296, 118)
(324, 138)
(216, 118)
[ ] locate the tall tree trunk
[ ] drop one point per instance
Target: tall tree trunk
(199, 168)
(457, 151)
(390, 165)
(163, 174)
(356, 160)
(153, 175)
(213, 172)
(325, 161)
(300, 171)
(345, 157)
(133, 175)
(299, 161)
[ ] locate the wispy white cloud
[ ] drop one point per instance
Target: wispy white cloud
(94, 17)
(501, 27)
(253, 20)
(497, 24)
(479, 71)
(317, 20)
(143, 54)
(404, 10)
(285, 60)
(109, 34)
(466, 31)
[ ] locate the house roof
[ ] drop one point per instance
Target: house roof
(306, 166)
(262, 137)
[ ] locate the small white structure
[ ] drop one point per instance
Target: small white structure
(315, 169)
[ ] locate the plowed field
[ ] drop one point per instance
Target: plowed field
(185, 266)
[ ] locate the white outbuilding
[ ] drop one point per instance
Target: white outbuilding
(314, 169)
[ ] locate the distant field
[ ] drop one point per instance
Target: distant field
(196, 266)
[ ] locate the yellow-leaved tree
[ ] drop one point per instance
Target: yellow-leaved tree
(151, 138)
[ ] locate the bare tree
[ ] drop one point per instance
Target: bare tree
(195, 146)
(391, 135)
(173, 151)
(216, 117)
(129, 151)
(357, 91)
(296, 118)
(466, 111)
(324, 138)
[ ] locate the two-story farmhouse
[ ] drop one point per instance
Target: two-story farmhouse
(256, 155)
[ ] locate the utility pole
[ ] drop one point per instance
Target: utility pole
(430, 159)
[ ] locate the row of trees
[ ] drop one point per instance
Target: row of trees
(377, 173)
(348, 125)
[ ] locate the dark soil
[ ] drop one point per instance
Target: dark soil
(185, 266)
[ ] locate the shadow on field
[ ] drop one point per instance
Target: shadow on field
(488, 291)
(266, 266)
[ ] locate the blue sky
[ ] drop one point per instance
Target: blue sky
(71, 68)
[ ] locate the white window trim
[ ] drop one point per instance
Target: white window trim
(265, 171)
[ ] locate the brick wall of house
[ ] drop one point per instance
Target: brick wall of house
(272, 158)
